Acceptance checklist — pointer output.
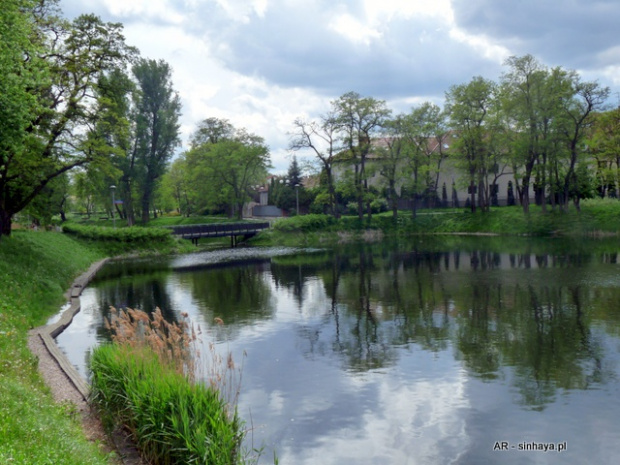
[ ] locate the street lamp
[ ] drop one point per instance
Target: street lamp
(112, 189)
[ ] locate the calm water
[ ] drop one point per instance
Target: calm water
(427, 352)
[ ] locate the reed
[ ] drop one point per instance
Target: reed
(146, 382)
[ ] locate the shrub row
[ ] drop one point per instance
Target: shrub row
(127, 235)
(172, 419)
(304, 223)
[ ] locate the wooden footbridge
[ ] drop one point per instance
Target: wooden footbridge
(238, 232)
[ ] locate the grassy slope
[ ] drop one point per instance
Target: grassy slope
(35, 269)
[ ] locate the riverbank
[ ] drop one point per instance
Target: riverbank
(44, 420)
(38, 425)
(597, 218)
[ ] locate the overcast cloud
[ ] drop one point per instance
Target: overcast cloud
(263, 63)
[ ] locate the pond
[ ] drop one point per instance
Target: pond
(430, 351)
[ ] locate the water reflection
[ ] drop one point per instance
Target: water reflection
(406, 353)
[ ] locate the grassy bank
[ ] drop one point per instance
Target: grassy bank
(597, 218)
(36, 269)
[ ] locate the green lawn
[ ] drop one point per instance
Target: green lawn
(36, 268)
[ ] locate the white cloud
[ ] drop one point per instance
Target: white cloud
(482, 45)
(262, 63)
(353, 29)
(415, 422)
(162, 10)
(378, 11)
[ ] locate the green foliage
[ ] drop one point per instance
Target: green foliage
(223, 166)
(304, 223)
(134, 234)
(172, 419)
(597, 217)
(54, 90)
(36, 268)
(185, 220)
(157, 129)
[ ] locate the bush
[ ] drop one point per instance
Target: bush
(127, 235)
(303, 223)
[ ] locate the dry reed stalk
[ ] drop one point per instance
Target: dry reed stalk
(174, 343)
(372, 235)
(177, 344)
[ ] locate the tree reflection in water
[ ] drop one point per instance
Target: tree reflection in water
(523, 315)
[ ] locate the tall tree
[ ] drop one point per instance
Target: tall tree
(49, 68)
(321, 137)
(531, 96)
(472, 108)
(115, 136)
(392, 151)
(605, 147)
(360, 119)
(294, 173)
(158, 108)
(211, 131)
(578, 116)
(226, 171)
(425, 131)
(176, 184)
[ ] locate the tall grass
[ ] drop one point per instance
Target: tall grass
(145, 381)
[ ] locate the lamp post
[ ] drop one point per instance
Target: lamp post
(112, 189)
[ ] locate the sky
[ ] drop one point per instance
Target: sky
(261, 64)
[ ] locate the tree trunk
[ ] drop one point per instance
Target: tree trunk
(332, 192)
(145, 208)
(482, 201)
(524, 194)
(128, 203)
(393, 199)
(472, 194)
(5, 223)
(544, 184)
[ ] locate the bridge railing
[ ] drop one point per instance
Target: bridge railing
(218, 230)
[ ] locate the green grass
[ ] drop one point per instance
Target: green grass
(596, 218)
(134, 240)
(36, 268)
(172, 419)
(184, 220)
(135, 235)
(160, 221)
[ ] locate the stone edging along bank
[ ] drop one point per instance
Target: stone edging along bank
(48, 333)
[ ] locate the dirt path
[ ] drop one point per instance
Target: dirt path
(66, 384)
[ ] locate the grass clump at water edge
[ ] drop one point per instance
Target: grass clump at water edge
(145, 382)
